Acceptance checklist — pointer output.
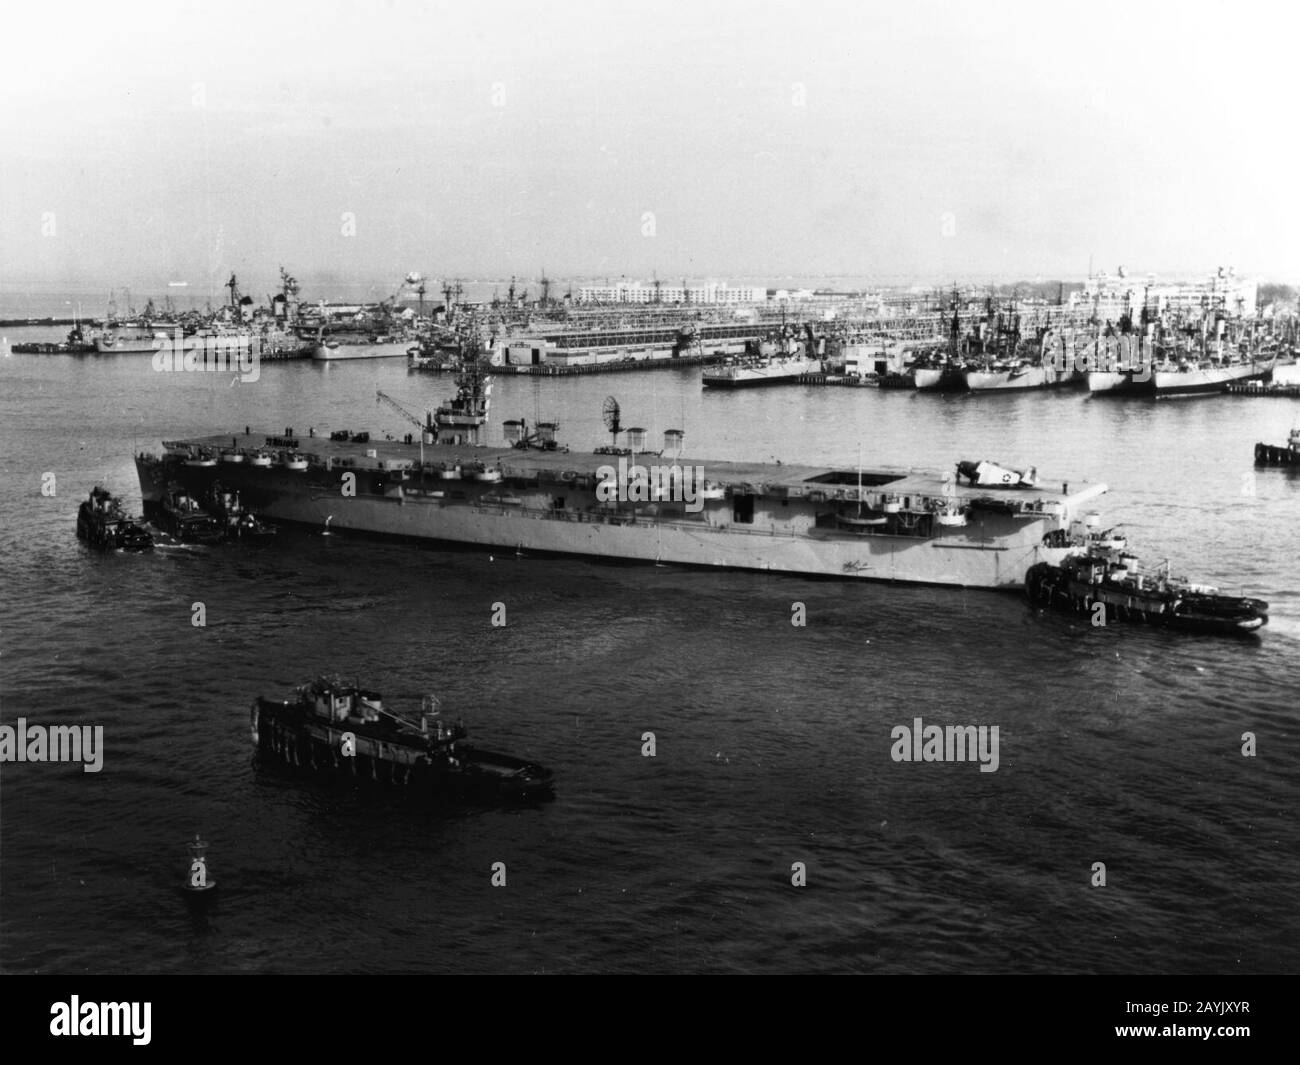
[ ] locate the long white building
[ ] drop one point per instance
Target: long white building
(708, 293)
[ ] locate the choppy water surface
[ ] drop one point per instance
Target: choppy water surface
(773, 742)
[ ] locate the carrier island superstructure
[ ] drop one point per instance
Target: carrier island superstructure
(979, 527)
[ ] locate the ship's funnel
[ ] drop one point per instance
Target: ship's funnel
(673, 439)
(636, 439)
(514, 431)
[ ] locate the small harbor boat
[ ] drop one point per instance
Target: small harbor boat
(103, 523)
(224, 504)
(1272, 455)
(333, 727)
(182, 516)
(1109, 584)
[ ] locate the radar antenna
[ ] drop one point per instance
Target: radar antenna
(610, 412)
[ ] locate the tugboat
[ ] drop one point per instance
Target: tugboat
(102, 523)
(333, 727)
(238, 523)
(187, 521)
(1270, 455)
(1106, 575)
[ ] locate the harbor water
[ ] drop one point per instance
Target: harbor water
(772, 742)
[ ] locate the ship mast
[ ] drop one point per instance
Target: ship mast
(859, 478)
(233, 285)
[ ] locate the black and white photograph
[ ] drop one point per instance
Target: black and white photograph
(739, 488)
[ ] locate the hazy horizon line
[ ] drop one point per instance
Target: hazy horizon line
(179, 286)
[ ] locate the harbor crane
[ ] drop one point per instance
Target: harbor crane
(424, 427)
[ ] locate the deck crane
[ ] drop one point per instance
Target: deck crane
(424, 427)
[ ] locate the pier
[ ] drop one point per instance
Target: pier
(52, 349)
(1276, 391)
(836, 380)
(613, 366)
(285, 354)
(11, 323)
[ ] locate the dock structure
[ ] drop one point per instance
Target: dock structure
(285, 354)
(12, 323)
(835, 380)
(51, 349)
(665, 362)
(891, 326)
(1274, 390)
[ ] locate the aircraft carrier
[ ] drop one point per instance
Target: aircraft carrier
(979, 526)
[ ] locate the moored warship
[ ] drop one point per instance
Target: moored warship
(766, 363)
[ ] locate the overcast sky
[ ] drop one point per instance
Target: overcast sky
(144, 143)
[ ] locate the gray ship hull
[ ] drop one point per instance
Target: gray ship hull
(546, 503)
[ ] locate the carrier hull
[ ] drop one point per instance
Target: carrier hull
(783, 519)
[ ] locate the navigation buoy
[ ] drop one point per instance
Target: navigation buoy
(197, 880)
